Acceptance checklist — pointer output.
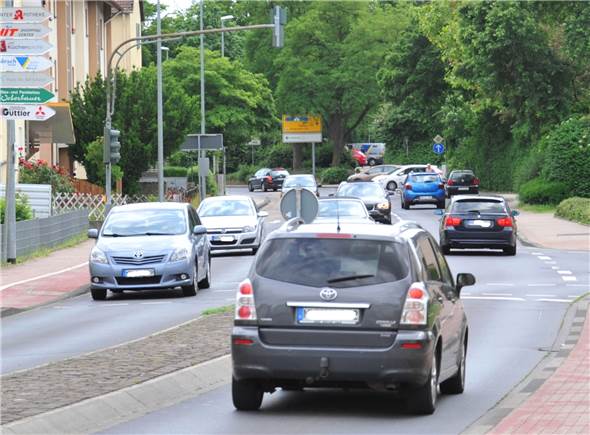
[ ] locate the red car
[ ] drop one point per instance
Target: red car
(360, 157)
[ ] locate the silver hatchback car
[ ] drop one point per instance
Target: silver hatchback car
(150, 246)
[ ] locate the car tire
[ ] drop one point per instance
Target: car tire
(510, 251)
(191, 289)
(423, 399)
(250, 187)
(446, 250)
(98, 294)
(246, 394)
(264, 187)
(441, 204)
(456, 384)
(274, 190)
(372, 162)
(206, 282)
(391, 186)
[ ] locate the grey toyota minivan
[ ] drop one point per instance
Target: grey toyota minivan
(354, 306)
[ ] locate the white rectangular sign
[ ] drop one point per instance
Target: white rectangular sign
(24, 46)
(302, 138)
(23, 15)
(24, 80)
(17, 30)
(24, 63)
(27, 112)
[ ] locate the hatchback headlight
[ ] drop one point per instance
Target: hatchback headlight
(383, 205)
(97, 256)
(249, 229)
(179, 254)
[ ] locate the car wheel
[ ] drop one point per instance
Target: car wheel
(246, 394)
(456, 384)
(392, 185)
(445, 249)
(264, 187)
(250, 187)
(274, 190)
(372, 162)
(98, 294)
(510, 251)
(206, 282)
(423, 399)
(441, 204)
(191, 289)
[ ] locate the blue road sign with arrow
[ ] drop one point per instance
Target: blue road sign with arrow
(438, 148)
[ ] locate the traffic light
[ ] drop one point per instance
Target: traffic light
(112, 146)
(279, 19)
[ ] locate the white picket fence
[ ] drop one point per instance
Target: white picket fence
(64, 202)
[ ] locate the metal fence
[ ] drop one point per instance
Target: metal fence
(38, 197)
(49, 232)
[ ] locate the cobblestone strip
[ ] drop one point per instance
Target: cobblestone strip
(62, 383)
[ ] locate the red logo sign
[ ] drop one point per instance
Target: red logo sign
(40, 111)
(18, 15)
(7, 32)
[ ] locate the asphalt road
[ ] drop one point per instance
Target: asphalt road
(514, 313)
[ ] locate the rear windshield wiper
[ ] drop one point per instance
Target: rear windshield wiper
(474, 211)
(155, 233)
(118, 235)
(349, 278)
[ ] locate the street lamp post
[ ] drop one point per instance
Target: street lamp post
(223, 20)
(160, 108)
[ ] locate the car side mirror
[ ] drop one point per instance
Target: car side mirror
(262, 214)
(514, 213)
(93, 233)
(463, 280)
(439, 212)
(199, 230)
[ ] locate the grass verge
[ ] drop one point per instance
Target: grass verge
(218, 310)
(44, 252)
(538, 208)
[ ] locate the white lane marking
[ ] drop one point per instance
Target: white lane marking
(554, 267)
(497, 294)
(564, 272)
(536, 253)
(541, 285)
(155, 303)
(541, 296)
(569, 278)
(495, 298)
(114, 305)
(506, 284)
(554, 300)
(577, 285)
(59, 307)
(275, 222)
(569, 296)
(544, 257)
(551, 262)
(67, 269)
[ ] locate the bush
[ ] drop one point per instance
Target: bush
(244, 173)
(575, 209)
(40, 172)
(334, 175)
(539, 191)
(24, 212)
(175, 171)
(278, 155)
(183, 158)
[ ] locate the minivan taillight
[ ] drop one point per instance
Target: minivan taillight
(452, 221)
(450, 182)
(504, 222)
(416, 306)
(475, 182)
(245, 307)
(408, 186)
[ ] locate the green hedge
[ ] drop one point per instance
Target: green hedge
(175, 171)
(334, 175)
(575, 209)
(539, 191)
(24, 212)
(243, 173)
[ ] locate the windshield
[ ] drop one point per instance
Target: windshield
(278, 173)
(299, 181)
(331, 208)
(333, 262)
(228, 207)
(145, 222)
(462, 175)
(360, 190)
(478, 206)
(425, 178)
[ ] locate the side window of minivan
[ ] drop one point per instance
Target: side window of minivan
(428, 259)
(447, 276)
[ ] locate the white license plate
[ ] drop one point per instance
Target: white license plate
(427, 197)
(463, 188)
(327, 315)
(138, 273)
(480, 223)
(227, 238)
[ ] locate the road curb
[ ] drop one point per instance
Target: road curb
(566, 340)
(102, 412)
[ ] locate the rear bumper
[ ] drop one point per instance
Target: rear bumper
(241, 241)
(478, 239)
(424, 198)
(276, 364)
(462, 190)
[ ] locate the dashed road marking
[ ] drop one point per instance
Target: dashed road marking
(275, 222)
(67, 269)
(541, 296)
(544, 257)
(495, 298)
(577, 285)
(541, 285)
(554, 300)
(536, 253)
(564, 272)
(554, 267)
(573, 296)
(569, 278)
(551, 262)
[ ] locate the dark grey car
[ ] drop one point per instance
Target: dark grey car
(367, 306)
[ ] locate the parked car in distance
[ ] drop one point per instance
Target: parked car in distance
(423, 188)
(359, 156)
(473, 221)
(267, 179)
(342, 209)
(373, 151)
(296, 181)
(372, 195)
(232, 222)
(394, 180)
(462, 182)
(374, 171)
(150, 246)
(359, 306)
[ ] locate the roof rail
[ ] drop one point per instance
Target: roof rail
(293, 224)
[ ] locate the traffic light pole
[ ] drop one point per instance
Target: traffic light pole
(111, 75)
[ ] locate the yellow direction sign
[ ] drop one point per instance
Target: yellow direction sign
(302, 124)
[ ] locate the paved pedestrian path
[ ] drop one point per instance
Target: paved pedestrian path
(562, 404)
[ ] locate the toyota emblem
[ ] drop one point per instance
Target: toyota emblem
(328, 294)
(138, 253)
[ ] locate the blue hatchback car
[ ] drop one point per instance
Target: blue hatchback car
(423, 188)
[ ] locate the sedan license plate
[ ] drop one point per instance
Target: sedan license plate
(480, 223)
(226, 238)
(463, 188)
(328, 315)
(138, 273)
(427, 197)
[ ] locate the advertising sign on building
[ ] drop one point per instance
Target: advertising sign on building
(25, 79)
(17, 30)
(23, 15)
(26, 113)
(24, 46)
(25, 95)
(24, 63)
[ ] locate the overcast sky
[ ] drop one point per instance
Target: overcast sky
(174, 5)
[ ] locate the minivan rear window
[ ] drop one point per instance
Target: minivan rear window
(337, 263)
(480, 206)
